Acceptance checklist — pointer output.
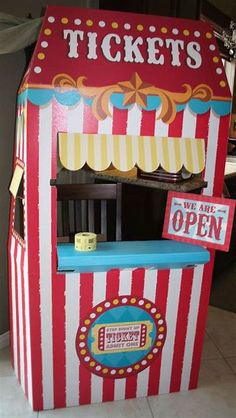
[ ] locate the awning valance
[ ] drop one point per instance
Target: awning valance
(99, 151)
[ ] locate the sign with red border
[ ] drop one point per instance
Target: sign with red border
(121, 337)
(17, 177)
(199, 219)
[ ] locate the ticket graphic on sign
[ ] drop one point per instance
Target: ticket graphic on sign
(121, 337)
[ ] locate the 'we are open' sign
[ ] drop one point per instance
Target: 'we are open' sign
(199, 219)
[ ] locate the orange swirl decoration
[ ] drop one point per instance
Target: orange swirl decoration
(134, 91)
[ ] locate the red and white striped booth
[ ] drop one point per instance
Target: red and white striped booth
(126, 89)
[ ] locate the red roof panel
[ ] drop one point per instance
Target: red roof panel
(127, 52)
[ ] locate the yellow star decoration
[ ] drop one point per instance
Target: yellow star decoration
(135, 91)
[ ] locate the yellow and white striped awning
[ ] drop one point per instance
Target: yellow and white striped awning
(99, 151)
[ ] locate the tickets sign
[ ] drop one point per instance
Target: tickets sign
(199, 219)
(97, 53)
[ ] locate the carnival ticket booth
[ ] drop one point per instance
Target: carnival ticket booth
(113, 92)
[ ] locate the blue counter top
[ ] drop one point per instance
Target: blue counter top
(131, 254)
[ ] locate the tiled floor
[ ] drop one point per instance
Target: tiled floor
(214, 398)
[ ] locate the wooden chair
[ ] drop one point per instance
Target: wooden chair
(85, 207)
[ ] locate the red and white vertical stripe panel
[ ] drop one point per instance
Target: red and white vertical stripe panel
(177, 295)
(59, 301)
(19, 295)
(181, 289)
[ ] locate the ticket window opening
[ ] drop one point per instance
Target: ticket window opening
(83, 206)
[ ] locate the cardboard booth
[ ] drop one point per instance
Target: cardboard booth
(112, 91)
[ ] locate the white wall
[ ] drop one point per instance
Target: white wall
(11, 72)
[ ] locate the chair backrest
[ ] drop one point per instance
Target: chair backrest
(85, 207)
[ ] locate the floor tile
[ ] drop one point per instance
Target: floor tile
(214, 398)
(215, 371)
(133, 408)
(232, 362)
(12, 400)
(210, 350)
(217, 401)
(5, 363)
(221, 327)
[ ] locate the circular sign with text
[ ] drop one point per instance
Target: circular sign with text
(121, 336)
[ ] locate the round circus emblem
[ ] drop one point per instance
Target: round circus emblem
(121, 337)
